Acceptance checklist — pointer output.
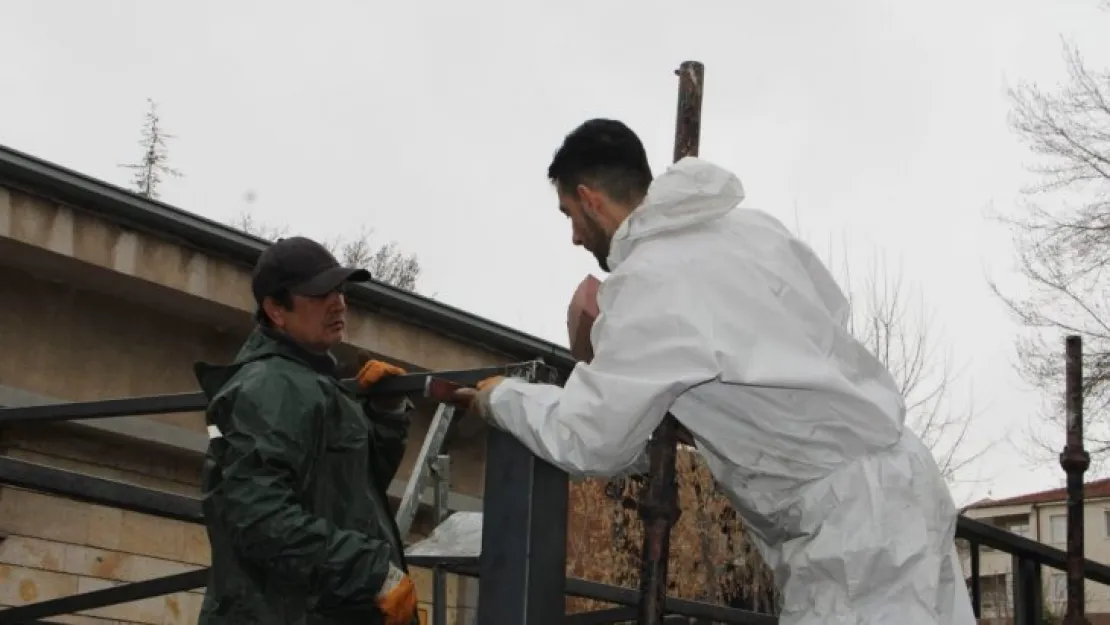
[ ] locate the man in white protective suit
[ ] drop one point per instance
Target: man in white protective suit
(718, 315)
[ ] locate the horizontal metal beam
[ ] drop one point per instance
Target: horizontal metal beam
(619, 595)
(995, 537)
(408, 384)
(613, 616)
(172, 438)
(106, 597)
(605, 616)
(459, 565)
(104, 408)
(102, 491)
(697, 609)
(99, 490)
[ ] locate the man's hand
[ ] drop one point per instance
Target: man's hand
(489, 383)
(581, 315)
(374, 370)
(371, 373)
(476, 399)
(397, 598)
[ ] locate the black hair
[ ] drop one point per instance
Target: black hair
(283, 298)
(604, 153)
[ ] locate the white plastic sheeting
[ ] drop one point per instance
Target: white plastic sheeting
(459, 536)
(718, 315)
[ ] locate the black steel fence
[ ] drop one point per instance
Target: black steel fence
(522, 568)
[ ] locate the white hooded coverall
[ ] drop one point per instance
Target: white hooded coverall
(718, 315)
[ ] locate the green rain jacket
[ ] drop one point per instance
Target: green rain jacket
(294, 490)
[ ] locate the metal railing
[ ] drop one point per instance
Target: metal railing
(523, 555)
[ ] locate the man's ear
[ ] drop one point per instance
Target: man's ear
(591, 200)
(273, 311)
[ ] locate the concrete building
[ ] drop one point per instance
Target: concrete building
(1042, 516)
(106, 294)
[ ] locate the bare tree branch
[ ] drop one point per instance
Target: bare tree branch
(386, 262)
(1061, 235)
(892, 321)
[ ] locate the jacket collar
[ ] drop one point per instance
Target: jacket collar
(323, 363)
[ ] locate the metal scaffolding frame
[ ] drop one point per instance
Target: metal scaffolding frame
(523, 558)
(521, 569)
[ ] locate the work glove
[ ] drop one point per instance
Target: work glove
(397, 598)
(476, 399)
(374, 370)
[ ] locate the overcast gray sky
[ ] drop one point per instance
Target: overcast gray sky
(877, 124)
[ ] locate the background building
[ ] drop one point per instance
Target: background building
(106, 294)
(1042, 516)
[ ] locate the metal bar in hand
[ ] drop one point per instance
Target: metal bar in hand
(441, 473)
(659, 507)
(106, 597)
(417, 383)
(408, 384)
(414, 489)
(1074, 460)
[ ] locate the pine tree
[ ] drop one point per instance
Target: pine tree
(149, 171)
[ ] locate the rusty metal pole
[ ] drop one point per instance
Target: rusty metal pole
(1074, 461)
(659, 506)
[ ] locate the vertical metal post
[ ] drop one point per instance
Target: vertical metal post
(441, 473)
(976, 587)
(524, 533)
(1074, 461)
(1028, 592)
(659, 506)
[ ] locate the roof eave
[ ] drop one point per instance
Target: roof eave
(69, 187)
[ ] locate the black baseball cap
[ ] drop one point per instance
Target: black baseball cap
(300, 266)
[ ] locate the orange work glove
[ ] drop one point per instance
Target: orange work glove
(489, 383)
(476, 399)
(397, 598)
(374, 370)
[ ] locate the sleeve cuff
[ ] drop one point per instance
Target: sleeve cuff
(406, 407)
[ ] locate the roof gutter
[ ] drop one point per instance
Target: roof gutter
(39, 177)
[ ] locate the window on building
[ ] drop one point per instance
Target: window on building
(1058, 529)
(1058, 587)
(1019, 527)
(1016, 523)
(996, 595)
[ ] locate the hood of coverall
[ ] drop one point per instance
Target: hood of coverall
(690, 192)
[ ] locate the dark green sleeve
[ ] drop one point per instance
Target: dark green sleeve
(268, 433)
(390, 434)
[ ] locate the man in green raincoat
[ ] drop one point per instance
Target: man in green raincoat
(295, 478)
